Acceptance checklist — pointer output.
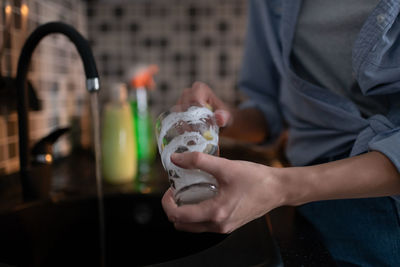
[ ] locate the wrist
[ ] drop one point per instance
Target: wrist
(296, 185)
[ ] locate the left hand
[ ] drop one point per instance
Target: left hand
(246, 191)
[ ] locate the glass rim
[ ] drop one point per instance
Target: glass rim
(180, 108)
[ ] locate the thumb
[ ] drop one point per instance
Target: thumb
(197, 160)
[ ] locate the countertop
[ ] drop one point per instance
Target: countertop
(73, 177)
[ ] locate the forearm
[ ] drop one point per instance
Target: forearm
(247, 125)
(369, 175)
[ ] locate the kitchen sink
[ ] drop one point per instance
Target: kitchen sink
(137, 233)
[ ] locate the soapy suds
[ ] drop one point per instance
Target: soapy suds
(193, 140)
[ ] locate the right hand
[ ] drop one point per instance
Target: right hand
(246, 191)
(202, 94)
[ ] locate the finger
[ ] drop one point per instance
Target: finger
(169, 204)
(206, 95)
(201, 93)
(212, 100)
(191, 213)
(197, 160)
(192, 97)
(186, 213)
(184, 96)
(200, 86)
(222, 117)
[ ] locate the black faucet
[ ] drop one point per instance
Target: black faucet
(92, 84)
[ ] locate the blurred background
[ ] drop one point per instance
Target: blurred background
(188, 40)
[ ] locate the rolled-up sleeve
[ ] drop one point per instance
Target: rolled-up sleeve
(376, 56)
(388, 143)
(259, 78)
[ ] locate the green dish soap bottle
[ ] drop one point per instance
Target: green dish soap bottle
(119, 152)
(141, 82)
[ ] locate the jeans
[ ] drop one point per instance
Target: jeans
(358, 232)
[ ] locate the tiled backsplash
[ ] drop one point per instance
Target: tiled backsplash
(189, 40)
(56, 72)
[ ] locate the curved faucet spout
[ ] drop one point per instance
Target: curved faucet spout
(92, 83)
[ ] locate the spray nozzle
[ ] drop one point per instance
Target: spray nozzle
(143, 77)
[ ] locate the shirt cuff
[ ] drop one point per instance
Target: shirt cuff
(388, 143)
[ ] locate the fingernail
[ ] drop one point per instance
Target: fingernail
(176, 157)
(222, 117)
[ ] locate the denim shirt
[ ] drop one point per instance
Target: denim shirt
(320, 123)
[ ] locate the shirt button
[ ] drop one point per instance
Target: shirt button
(380, 19)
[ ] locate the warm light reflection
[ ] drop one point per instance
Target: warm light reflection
(8, 9)
(24, 10)
(48, 158)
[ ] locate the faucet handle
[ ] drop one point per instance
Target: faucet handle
(42, 151)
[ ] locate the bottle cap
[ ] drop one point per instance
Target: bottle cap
(144, 77)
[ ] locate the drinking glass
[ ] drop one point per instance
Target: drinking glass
(188, 128)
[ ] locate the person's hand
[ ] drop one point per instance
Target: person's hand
(202, 94)
(246, 191)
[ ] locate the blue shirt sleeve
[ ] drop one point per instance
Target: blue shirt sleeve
(376, 58)
(259, 79)
(388, 143)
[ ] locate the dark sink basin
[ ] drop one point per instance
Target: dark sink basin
(137, 234)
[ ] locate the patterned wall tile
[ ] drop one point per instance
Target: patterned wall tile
(189, 40)
(54, 70)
